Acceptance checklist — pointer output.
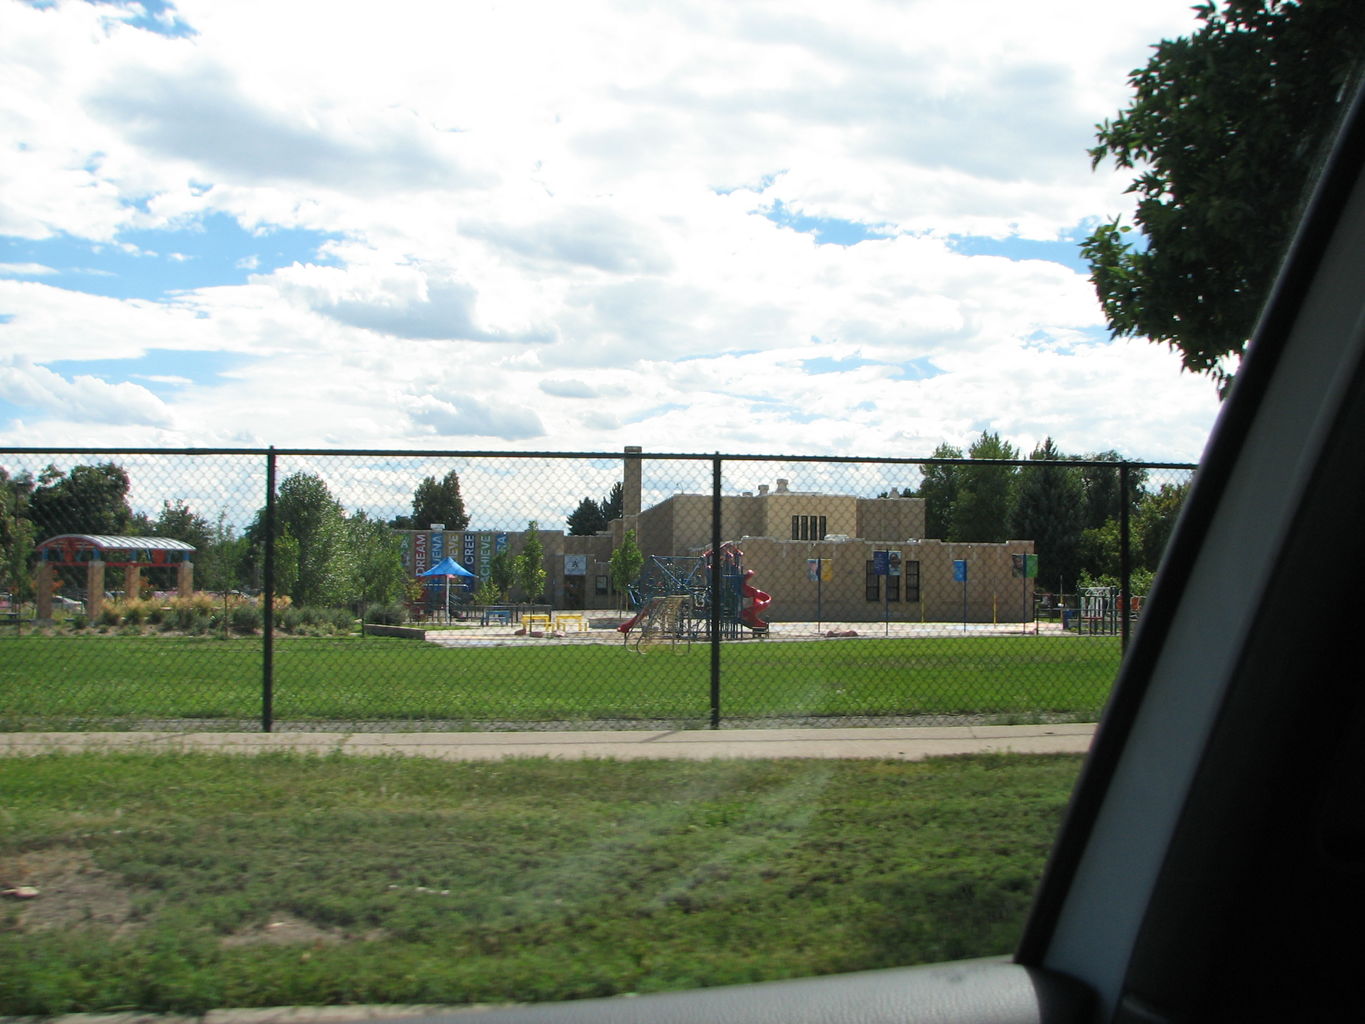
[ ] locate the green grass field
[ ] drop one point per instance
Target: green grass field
(128, 682)
(185, 882)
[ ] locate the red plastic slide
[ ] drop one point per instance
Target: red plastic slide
(758, 600)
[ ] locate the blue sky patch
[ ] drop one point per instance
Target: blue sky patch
(157, 16)
(214, 251)
(828, 364)
(162, 371)
(827, 230)
(1067, 253)
(911, 369)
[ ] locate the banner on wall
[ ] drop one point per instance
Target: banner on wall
(419, 553)
(575, 565)
(438, 547)
(819, 569)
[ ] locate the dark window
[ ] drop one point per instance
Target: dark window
(910, 571)
(808, 527)
(874, 582)
(796, 527)
(893, 588)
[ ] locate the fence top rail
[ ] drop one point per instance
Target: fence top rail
(433, 453)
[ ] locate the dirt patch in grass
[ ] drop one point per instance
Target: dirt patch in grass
(285, 930)
(72, 892)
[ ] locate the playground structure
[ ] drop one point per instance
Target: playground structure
(674, 596)
(1099, 611)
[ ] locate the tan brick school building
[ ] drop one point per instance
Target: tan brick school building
(830, 557)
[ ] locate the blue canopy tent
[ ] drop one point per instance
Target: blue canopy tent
(447, 567)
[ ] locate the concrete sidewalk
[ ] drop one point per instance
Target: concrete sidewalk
(906, 744)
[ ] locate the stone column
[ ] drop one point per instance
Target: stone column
(94, 589)
(132, 583)
(184, 579)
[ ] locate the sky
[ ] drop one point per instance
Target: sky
(750, 227)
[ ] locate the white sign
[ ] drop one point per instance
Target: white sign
(575, 565)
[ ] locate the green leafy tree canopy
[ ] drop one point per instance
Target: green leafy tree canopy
(625, 564)
(1223, 132)
(530, 565)
(438, 501)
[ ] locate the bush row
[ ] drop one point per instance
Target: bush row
(203, 614)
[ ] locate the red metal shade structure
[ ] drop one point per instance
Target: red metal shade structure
(96, 552)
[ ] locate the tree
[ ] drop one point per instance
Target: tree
(439, 502)
(529, 566)
(1048, 510)
(981, 510)
(587, 519)
(1224, 129)
(938, 487)
(88, 499)
(312, 559)
(625, 564)
(375, 562)
(613, 505)
(16, 537)
(502, 573)
(218, 564)
(180, 522)
(1100, 488)
(1155, 520)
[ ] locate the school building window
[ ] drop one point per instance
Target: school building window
(910, 573)
(873, 587)
(808, 527)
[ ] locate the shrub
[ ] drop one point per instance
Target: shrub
(386, 614)
(245, 618)
(134, 611)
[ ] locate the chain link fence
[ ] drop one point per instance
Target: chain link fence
(391, 590)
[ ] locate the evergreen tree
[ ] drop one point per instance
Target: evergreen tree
(1048, 509)
(613, 504)
(587, 519)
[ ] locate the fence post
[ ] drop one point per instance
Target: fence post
(1125, 561)
(268, 596)
(716, 580)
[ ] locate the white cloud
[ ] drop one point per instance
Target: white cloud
(26, 270)
(82, 399)
(548, 221)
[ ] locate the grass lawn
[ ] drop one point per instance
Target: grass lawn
(184, 882)
(75, 682)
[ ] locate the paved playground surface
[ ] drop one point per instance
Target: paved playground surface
(602, 630)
